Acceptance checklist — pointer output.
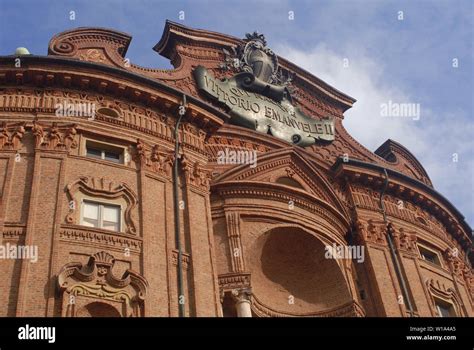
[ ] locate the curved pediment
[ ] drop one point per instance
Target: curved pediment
(180, 43)
(286, 167)
(187, 48)
(404, 160)
(99, 45)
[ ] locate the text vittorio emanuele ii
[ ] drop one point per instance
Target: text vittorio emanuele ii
(263, 106)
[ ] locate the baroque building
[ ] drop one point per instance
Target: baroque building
(226, 186)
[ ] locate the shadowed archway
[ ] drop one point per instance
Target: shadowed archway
(290, 273)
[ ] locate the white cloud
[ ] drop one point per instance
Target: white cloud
(433, 139)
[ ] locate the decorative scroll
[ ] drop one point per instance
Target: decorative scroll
(104, 188)
(81, 285)
(437, 289)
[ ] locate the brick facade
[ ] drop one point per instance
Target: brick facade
(254, 233)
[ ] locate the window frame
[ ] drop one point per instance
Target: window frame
(423, 248)
(105, 148)
(441, 303)
(100, 219)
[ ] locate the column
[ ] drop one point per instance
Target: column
(242, 302)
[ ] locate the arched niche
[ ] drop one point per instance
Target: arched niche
(292, 276)
(98, 309)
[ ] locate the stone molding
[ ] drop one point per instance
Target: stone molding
(102, 188)
(350, 309)
(82, 284)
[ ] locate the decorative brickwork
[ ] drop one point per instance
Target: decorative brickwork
(260, 240)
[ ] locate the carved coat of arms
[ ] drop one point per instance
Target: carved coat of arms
(259, 95)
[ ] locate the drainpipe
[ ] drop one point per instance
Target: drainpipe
(176, 211)
(398, 268)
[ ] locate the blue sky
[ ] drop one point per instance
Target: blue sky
(405, 61)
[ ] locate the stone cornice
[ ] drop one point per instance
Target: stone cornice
(294, 160)
(60, 72)
(233, 280)
(77, 234)
(350, 309)
(277, 192)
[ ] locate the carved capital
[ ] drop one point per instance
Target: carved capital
(361, 231)
(195, 173)
(455, 263)
(403, 240)
(231, 281)
(55, 136)
(185, 259)
(370, 232)
(11, 135)
(140, 153)
(241, 295)
(154, 158)
(468, 274)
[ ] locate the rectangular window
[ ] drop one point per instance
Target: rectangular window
(111, 156)
(101, 215)
(429, 255)
(94, 153)
(90, 214)
(444, 309)
(103, 151)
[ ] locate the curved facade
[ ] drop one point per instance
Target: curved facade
(266, 219)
